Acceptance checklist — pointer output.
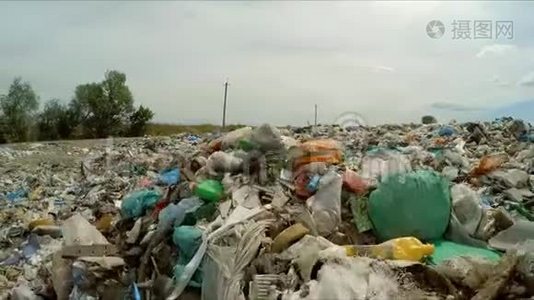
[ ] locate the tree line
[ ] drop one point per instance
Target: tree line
(97, 110)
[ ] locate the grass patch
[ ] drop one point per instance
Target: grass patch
(162, 129)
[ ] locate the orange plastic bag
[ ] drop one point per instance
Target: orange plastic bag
(488, 164)
(327, 151)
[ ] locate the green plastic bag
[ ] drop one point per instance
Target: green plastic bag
(188, 239)
(137, 203)
(413, 204)
(210, 190)
(445, 250)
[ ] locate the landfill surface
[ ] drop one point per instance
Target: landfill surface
(416, 211)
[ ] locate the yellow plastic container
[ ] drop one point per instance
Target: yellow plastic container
(404, 248)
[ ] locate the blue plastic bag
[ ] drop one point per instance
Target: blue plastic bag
(446, 131)
(17, 195)
(193, 139)
(170, 177)
(137, 203)
(174, 214)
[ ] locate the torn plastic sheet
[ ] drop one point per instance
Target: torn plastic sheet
(350, 278)
(226, 264)
(239, 215)
(246, 196)
(468, 271)
(511, 237)
(305, 253)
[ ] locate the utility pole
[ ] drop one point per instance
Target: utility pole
(315, 115)
(224, 105)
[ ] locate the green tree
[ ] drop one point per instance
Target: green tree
(139, 120)
(3, 130)
(104, 108)
(56, 121)
(18, 107)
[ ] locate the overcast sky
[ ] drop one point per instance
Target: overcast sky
(281, 58)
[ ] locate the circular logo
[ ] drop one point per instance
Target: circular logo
(435, 29)
(350, 120)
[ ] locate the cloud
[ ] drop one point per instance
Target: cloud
(496, 50)
(383, 69)
(527, 80)
(499, 82)
(371, 67)
(278, 55)
(453, 106)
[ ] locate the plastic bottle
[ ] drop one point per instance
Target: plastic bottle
(404, 248)
(326, 203)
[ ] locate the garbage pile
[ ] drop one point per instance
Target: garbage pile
(418, 211)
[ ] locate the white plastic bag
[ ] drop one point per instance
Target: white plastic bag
(465, 203)
(378, 166)
(231, 139)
